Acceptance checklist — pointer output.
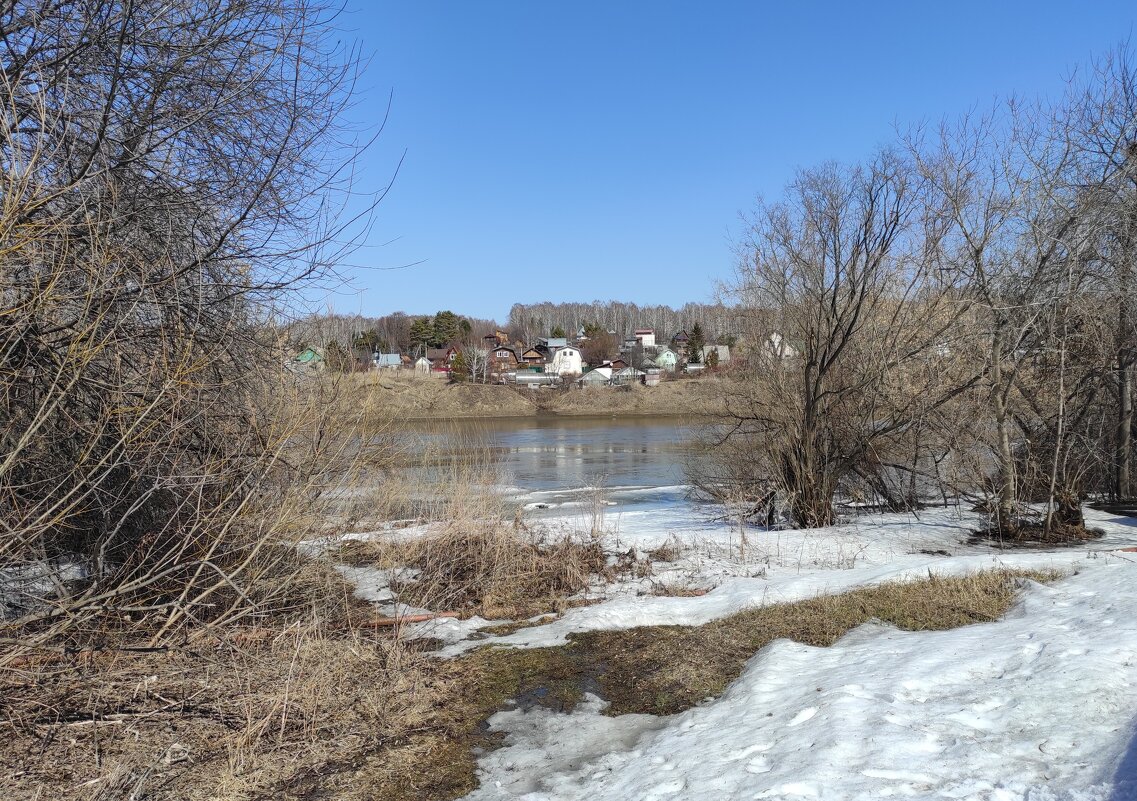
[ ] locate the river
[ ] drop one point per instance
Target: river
(635, 468)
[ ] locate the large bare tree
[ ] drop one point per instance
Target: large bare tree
(167, 169)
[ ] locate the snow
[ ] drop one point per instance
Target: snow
(785, 566)
(1040, 705)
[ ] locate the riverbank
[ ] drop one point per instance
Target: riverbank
(401, 396)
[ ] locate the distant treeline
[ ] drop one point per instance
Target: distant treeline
(528, 320)
(405, 333)
(398, 332)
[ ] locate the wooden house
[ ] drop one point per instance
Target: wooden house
(532, 357)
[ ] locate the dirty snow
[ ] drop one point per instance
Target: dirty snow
(1037, 707)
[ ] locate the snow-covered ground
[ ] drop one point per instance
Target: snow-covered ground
(1038, 706)
(1041, 705)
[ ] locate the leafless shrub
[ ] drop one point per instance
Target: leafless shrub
(168, 171)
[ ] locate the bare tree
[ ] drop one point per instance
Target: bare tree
(831, 274)
(169, 170)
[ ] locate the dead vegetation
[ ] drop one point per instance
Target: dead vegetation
(489, 568)
(333, 710)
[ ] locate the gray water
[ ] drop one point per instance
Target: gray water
(546, 462)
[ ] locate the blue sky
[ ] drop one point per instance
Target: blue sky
(581, 150)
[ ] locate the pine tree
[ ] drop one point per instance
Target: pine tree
(695, 343)
(422, 332)
(447, 328)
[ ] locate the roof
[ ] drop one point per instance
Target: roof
(389, 360)
(645, 330)
(437, 353)
(552, 342)
(309, 355)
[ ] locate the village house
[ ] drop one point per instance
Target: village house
(498, 337)
(779, 347)
(680, 343)
(645, 337)
(422, 365)
(441, 358)
(387, 361)
(666, 359)
(566, 361)
(532, 358)
(503, 358)
(309, 358)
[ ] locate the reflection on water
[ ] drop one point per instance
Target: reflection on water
(546, 461)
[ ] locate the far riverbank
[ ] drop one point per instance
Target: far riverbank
(411, 397)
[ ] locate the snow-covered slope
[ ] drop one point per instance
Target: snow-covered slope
(1038, 706)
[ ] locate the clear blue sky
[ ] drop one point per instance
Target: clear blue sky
(581, 150)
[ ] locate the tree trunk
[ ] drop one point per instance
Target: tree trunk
(1007, 490)
(1124, 428)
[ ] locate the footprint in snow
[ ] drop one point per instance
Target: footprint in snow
(667, 788)
(803, 716)
(759, 765)
(743, 753)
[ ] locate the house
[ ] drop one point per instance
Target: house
(422, 365)
(652, 377)
(309, 358)
(532, 357)
(503, 358)
(722, 354)
(667, 359)
(645, 337)
(780, 347)
(387, 361)
(680, 342)
(441, 358)
(498, 337)
(566, 361)
(629, 375)
(600, 377)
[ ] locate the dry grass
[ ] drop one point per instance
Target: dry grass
(257, 713)
(306, 711)
(664, 670)
(667, 669)
(490, 568)
(404, 395)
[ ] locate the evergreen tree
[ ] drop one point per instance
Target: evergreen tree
(459, 368)
(447, 328)
(695, 343)
(557, 331)
(422, 332)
